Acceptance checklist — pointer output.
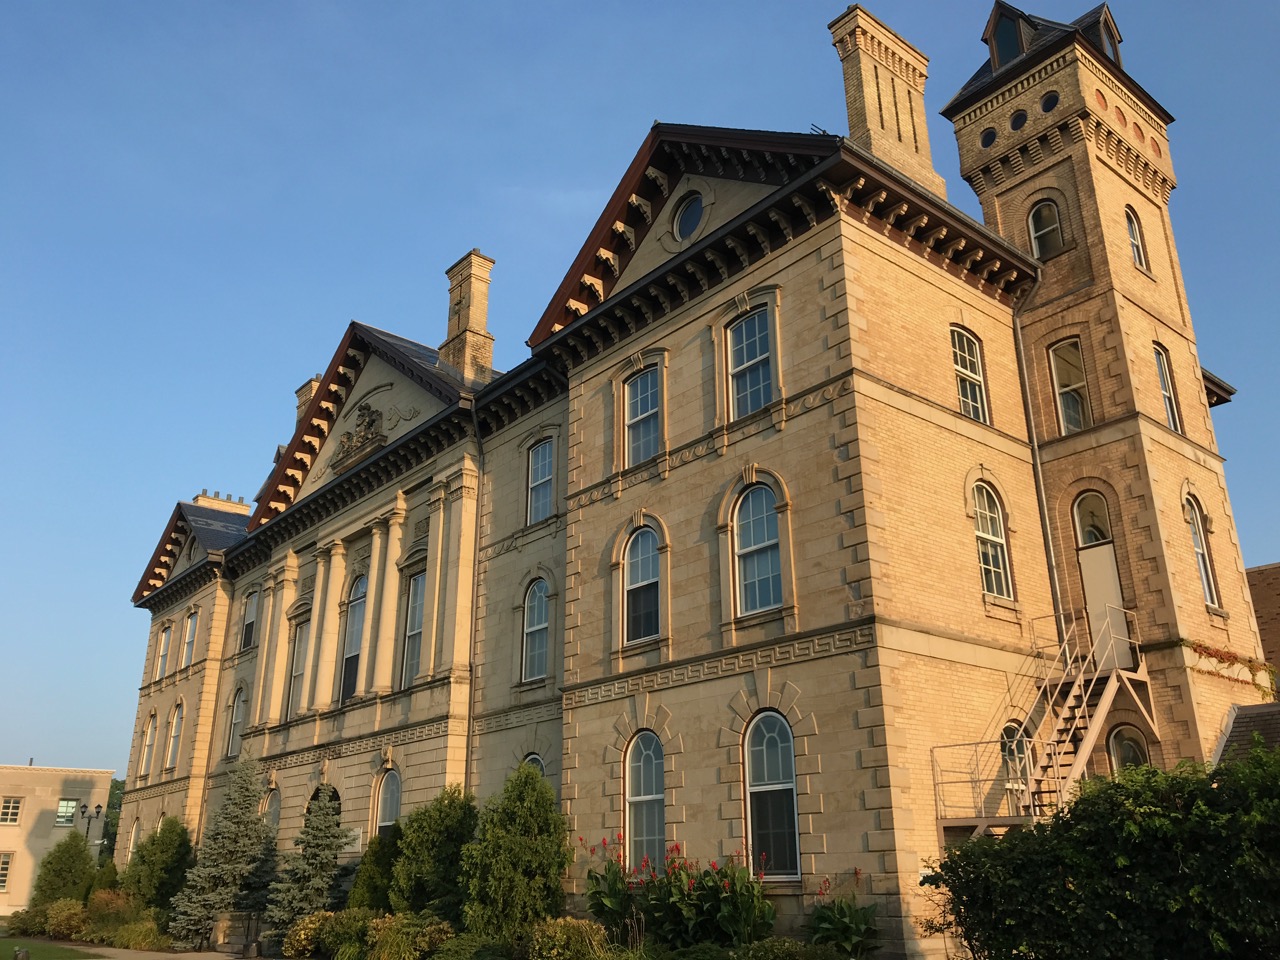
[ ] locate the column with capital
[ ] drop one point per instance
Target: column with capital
(276, 678)
(324, 625)
(373, 640)
(267, 606)
(383, 620)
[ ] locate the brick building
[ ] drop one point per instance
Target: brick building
(822, 523)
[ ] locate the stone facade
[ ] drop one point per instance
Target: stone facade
(799, 490)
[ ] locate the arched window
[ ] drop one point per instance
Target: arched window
(1074, 412)
(966, 355)
(536, 762)
(750, 367)
(388, 802)
(771, 797)
(239, 708)
(993, 553)
(646, 802)
(1200, 544)
(642, 586)
(536, 628)
(756, 546)
(148, 746)
(250, 620)
(353, 638)
(162, 655)
(644, 398)
(413, 630)
(1046, 230)
(189, 644)
(298, 667)
(1127, 747)
(271, 809)
(133, 838)
(1093, 521)
(1015, 755)
(175, 737)
(1136, 246)
(333, 794)
(1164, 373)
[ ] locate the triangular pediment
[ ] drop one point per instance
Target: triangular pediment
(739, 166)
(377, 387)
(195, 530)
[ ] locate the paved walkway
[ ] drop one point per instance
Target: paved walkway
(115, 953)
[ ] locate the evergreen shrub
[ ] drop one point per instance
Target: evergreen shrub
(309, 879)
(65, 873)
(785, 948)
(407, 936)
(66, 919)
(371, 888)
(425, 875)
(473, 946)
(159, 865)
(27, 923)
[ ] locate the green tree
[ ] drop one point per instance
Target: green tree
(1149, 864)
(371, 888)
(105, 877)
(309, 878)
(159, 865)
(235, 862)
(111, 822)
(65, 873)
(514, 866)
(426, 875)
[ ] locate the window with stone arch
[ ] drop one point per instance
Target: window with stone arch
(1092, 519)
(641, 584)
(148, 746)
(1127, 747)
(643, 416)
(134, 831)
(353, 638)
(1071, 386)
(1200, 546)
(175, 737)
(537, 628)
(757, 554)
(772, 827)
(1164, 374)
(966, 356)
(250, 620)
(388, 803)
(271, 808)
(239, 713)
(535, 760)
(1136, 244)
(162, 653)
(189, 643)
(993, 549)
(1045, 227)
(646, 802)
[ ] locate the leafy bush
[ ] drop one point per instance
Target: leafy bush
(304, 934)
(566, 938)
(65, 873)
(27, 923)
(346, 928)
(66, 919)
(431, 843)
(784, 948)
(844, 925)
(140, 935)
(515, 864)
(108, 910)
(106, 877)
(702, 951)
(159, 865)
(407, 936)
(372, 885)
(472, 946)
(1148, 864)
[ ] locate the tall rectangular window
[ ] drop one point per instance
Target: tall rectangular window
(189, 644)
(6, 861)
(1069, 383)
(162, 657)
(298, 666)
(66, 815)
(1166, 390)
(10, 809)
(750, 370)
(643, 400)
(540, 481)
(250, 620)
(413, 630)
(966, 356)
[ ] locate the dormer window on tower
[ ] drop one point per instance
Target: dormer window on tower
(1006, 41)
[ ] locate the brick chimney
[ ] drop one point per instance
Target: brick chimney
(884, 91)
(469, 347)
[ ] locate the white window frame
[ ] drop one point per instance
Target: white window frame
(10, 811)
(1164, 373)
(271, 808)
(636, 579)
(1137, 245)
(353, 639)
(535, 760)
(746, 553)
(966, 357)
(235, 729)
(250, 619)
(299, 652)
(162, 654)
(742, 369)
(64, 817)
(1037, 233)
(1128, 730)
(990, 529)
(1100, 534)
(537, 635)
(174, 738)
(6, 865)
(781, 783)
(134, 831)
(637, 800)
(636, 419)
(189, 639)
(148, 745)
(1077, 388)
(382, 826)
(542, 476)
(1200, 547)
(411, 665)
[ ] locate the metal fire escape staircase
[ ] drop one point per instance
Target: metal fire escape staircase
(1043, 735)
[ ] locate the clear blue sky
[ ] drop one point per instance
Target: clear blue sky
(195, 199)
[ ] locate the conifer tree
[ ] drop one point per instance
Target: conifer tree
(159, 865)
(309, 878)
(65, 873)
(235, 861)
(426, 874)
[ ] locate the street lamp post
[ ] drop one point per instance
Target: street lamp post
(88, 820)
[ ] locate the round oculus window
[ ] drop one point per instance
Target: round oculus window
(1018, 120)
(1049, 101)
(988, 137)
(688, 216)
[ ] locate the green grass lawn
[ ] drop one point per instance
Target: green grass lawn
(41, 950)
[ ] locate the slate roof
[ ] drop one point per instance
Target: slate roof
(1262, 719)
(420, 358)
(215, 529)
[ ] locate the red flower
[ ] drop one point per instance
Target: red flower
(726, 884)
(619, 837)
(604, 842)
(593, 849)
(713, 865)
